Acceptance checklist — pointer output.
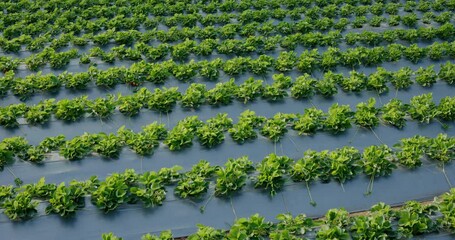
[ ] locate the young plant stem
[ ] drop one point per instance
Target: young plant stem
(232, 207)
(202, 209)
(445, 175)
(370, 186)
(312, 202)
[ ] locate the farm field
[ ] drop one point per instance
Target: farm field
(227, 119)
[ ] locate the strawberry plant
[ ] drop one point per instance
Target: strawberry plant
(236, 66)
(10, 114)
(376, 162)
(401, 79)
(150, 189)
(415, 219)
(182, 135)
(249, 90)
(446, 108)
(233, 176)
(378, 80)
(209, 135)
(77, 148)
(394, 113)
(414, 53)
(378, 223)
(447, 73)
(308, 169)
(51, 143)
(309, 122)
(194, 96)
(270, 173)
(210, 70)
(102, 107)
(303, 87)
(422, 108)
(308, 61)
(441, 148)
(21, 207)
(261, 65)
(366, 114)
(426, 76)
(286, 61)
(65, 201)
(129, 105)
(163, 100)
(344, 163)
(222, 93)
(338, 118)
(411, 151)
(275, 128)
(111, 193)
(109, 146)
(71, 110)
(326, 86)
(193, 183)
(355, 83)
(254, 227)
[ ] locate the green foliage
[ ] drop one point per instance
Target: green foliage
(254, 227)
(21, 207)
(194, 183)
(422, 108)
(303, 87)
(426, 76)
(77, 148)
(338, 118)
(249, 90)
(194, 96)
(344, 163)
(65, 201)
(222, 93)
(366, 114)
(109, 146)
(446, 108)
(111, 193)
(309, 122)
(233, 176)
(71, 110)
(411, 151)
(270, 173)
(401, 79)
(102, 107)
(150, 189)
(394, 113)
(163, 100)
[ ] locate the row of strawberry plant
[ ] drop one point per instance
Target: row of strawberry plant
(301, 31)
(338, 119)
(252, 43)
(61, 24)
(138, 73)
(341, 165)
(413, 219)
(259, 44)
(163, 100)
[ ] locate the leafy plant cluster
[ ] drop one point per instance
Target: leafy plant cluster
(382, 221)
(270, 174)
(340, 165)
(251, 43)
(286, 61)
(163, 100)
(82, 26)
(337, 119)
